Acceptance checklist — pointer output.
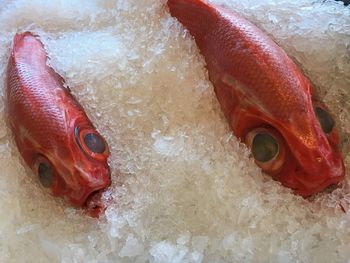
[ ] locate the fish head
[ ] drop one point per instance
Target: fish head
(300, 152)
(77, 169)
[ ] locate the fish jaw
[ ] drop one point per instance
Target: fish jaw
(44, 118)
(77, 181)
(87, 194)
(259, 86)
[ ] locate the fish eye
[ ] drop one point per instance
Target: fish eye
(325, 119)
(45, 173)
(264, 147)
(94, 142)
(91, 142)
(267, 148)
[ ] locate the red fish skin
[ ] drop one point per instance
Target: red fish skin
(44, 116)
(258, 85)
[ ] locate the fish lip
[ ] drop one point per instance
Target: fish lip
(307, 191)
(319, 188)
(94, 204)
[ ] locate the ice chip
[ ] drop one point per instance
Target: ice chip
(131, 248)
(183, 187)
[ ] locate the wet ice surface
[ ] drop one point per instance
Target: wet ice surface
(184, 189)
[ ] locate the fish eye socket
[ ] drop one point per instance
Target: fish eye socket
(325, 119)
(90, 142)
(45, 173)
(268, 148)
(94, 143)
(264, 147)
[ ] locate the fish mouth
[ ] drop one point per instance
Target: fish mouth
(94, 204)
(330, 183)
(307, 188)
(93, 201)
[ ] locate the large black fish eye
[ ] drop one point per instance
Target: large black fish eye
(90, 141)
(45, 173)
(325, 119)
(264, 147)
(94, 142)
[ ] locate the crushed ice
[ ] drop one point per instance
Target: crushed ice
(184, 189)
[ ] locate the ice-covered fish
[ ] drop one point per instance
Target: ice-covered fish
(266, 99)
(52, 132)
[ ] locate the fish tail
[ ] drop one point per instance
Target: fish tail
(28, 43)
(19, 37)
(196, 15)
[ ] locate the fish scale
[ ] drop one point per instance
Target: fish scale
(252, 61)
(38, 121)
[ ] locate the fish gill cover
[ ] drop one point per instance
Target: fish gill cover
(188, 190)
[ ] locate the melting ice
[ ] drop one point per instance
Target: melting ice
(184, 188)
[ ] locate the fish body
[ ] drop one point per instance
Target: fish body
(53, 133)
(266, 99)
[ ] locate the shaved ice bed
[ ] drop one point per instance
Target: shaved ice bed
(184, 188)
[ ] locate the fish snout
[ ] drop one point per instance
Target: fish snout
(316, 175)
(88, 186)
(94, 204)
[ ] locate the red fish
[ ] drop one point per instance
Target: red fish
(53, 134)
(266, 99)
